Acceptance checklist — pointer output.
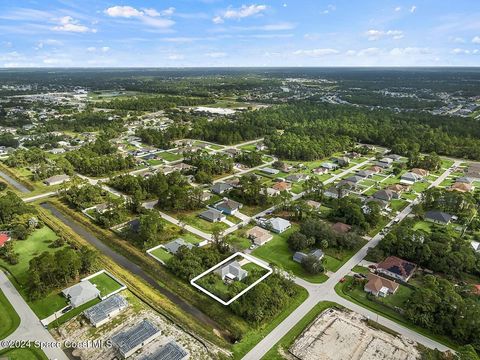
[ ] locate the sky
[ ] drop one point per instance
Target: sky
(198, 33)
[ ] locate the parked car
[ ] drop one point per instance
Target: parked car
(67, 309)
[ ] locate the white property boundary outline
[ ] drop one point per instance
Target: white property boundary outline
(213, 268)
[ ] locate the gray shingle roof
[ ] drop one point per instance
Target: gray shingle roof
(102, 310)
(438, 216)
(173, 246)
(127, 340)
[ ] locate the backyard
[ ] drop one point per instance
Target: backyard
(105, 283)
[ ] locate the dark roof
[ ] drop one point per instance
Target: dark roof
(103, 309)
(438, 216)
(173, 246)
(134, 225)
(211, 214)
(171, 351)
(127, 340)
(228, 205)
(221, 187)
(397, 266)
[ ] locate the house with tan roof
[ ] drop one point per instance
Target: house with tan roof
(282, 186)
(341, 228)
(259, 236)
(379, 286)
(376, 169)
(421, 172)
(461, 187)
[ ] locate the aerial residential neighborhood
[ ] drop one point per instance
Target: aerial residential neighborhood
(248, 181)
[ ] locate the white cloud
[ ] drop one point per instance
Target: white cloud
(316, 52)
(91, 49)
(175, 57)
(350, 52)
(216, 55)
(374, 35)
(398, 8)
(476, 40)
(239, 13)
(413, 8)
(457, 40)
(105, 48)
(48, 42)
(459, 51)
(124, 11)
(369, 52)
(102, 49)
(330, 8)
(69, 24)
(409, 51)
(150, 16)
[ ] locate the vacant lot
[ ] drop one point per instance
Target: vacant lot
(339, 335)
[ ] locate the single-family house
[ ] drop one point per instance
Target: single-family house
(376, 169)
(282, 186)
(398, 188)
(355, 179)
(56, 180)
(81, 293)
(421, 172)
(475, 245)
(438, 217)
(228, 206)
(465, 180)
(386, 160)
(205, 196)
(259, 236)
(320, 170)
(313, 204)
(130, 341)
(4, 238)
(341, 228)
(182, 167)
(277, 225)
(297, 177)
(270, 191)
(342, 161)
(461, 187)
(328, 165)
(337, 192)
(169, 351)
(386, 195)
(365, 173)
(212, 215)
(383, 204)
(105, 310)
(379, 286)
(410, 178)
(232, 271)
(173, 246)
(396, 268)
(299, 256)
(269, 171)
(394, 157)
(221, 187)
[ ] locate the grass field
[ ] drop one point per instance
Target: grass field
(423, 225)
(168, 156)
(105, 283)
(359, 297)
(9, 320)
(289, 339)
(162, 254)
(23, 354)
(276, 252)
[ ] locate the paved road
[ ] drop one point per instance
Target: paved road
(20, 187)
(326, 292)
(41, 196)
(130, 266)
(30, 327)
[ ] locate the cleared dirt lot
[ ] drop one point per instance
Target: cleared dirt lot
(79, 329)
(337, 335)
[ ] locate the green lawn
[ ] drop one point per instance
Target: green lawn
(250, 147)
(358, 296)
(398, 204)
(239, 242)
(105, 283)
(72, 313)
(420, 186)
(361, 270)
(276, 252)
(423, 225)
(34, 245)
(287, 341)
(23, 354)
(9, 319)
(192, 219)
(168, 156)
(162, 254)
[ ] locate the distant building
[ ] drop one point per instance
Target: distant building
(228, 206)
(173, 246)
(299, 256)
(397, 268)
(212, 215)
(81, 293)
(170, 351)
(278, 225)
(258, 235)
(297, 177)
(220, 188)
(461, 187)
(313, 204)
(438, 217)
(386, 195)
(129, 341)
(475, 246)
(341, 228)
(56, 180)
(105, 310)
(270, 171)
(379, 286)
(410, 178)
(232, 272)
(281, 186)
(421, 172)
